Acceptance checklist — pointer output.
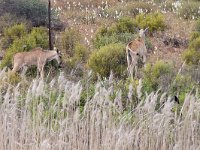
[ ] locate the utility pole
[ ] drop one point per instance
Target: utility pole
(49, 19)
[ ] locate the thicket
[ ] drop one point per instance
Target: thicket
(74, 52)
(155, 21)
(158, 75)
(192, 54)
(121, 31)
(33, 10)
(8, 20)
(163, 76)
(108, 58)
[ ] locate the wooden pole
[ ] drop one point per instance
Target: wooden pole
(49, 19)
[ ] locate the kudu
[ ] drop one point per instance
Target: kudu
(36, 57)
(135, 50)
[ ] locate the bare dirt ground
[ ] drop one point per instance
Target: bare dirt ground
(178, 30)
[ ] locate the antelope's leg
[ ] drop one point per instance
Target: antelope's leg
(144, 58)
(131, 70)
(40, 67)
(136, 70)
(25, 68)
(128, 61)
(42, 74)
(41, 70)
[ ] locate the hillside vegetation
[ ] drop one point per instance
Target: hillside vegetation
(91, 102)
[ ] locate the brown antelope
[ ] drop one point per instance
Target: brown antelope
(135, 50)
(37, 56)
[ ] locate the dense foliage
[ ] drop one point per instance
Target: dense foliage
(108, 58)
(192, 54)
(121, 31)
(157, 76)
(74, 52)
(155, 21)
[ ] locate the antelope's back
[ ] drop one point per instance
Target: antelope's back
(136, 44)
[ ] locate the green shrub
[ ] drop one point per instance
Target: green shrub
(37, 37)
(115, 38)
(197, 27)
(191, 56)
(155, 74)
(81, 52)
(194, 35)
(100, 41)
(80, 56)
(74, 52)
(122, 31)
(195, 44)
(155, 21)
(107, 58)
(182, 84)
(189, 10)
(16, 31)
(11, 33)
(69, 40)
(148, 44)
(40, 34)
(8, 20)
(124, 25)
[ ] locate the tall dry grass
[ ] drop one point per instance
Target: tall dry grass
(47, 116)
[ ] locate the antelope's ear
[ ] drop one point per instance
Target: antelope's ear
(146, 29)
(58, 52)
(137, 29)
(176, 99)
(55, 48)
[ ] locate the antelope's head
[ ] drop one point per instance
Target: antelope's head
(58, 56)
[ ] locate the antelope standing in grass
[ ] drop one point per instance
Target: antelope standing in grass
(37, 57)
(135, 50)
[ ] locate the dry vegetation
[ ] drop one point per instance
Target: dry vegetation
(47, 116)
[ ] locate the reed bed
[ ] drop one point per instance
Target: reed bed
(47, 116)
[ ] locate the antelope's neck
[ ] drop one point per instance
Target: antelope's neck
(141, 39)
(51, 54)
